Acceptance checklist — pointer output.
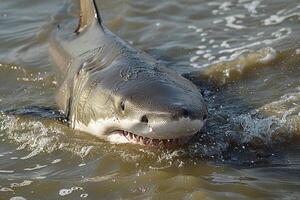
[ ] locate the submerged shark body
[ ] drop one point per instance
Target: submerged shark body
(119, 93)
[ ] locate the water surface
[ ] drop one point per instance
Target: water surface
(243, 54)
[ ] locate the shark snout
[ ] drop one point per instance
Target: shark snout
(175, 114)
(175, 122)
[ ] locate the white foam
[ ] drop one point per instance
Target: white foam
(6, 189)
(65, 192)
(275, 19)
(36, 137)
(231, 19)
(279, 35)
(56, 161)
(194, 58)
(84, 195)
(225, 44)
(84, 151)
(200, 52)
(7, 171)
(225, 6)
(192, 27)
(17, 198)
(257, 128)
(36, 167)
(239, 48)
(217, 21)
(269, 56)
(251, 7)
(22, 184)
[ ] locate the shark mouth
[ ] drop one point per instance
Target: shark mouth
(121, 136)
(142, 140)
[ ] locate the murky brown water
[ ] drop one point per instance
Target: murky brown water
(244, 54)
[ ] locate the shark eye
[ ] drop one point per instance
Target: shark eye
(122, 105)
(144, 119)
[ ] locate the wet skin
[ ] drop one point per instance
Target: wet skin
(119, 93)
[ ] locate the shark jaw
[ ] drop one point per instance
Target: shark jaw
(122, 136)
(165, 134)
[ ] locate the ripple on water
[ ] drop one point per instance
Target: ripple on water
(277, 19)
(231, 40)
(233, 68)
(17, 198)
(68, 191)
(22, 184)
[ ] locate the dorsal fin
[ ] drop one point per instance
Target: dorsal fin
(88, 14)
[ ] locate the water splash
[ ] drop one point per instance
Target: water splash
(254, 129)
(35, 136)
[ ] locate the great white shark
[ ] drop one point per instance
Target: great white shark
(119, 93)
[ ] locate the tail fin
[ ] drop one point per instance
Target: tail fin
(88, 14)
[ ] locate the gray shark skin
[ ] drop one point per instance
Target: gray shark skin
(119, 93)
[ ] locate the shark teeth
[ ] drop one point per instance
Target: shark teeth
(136, 139)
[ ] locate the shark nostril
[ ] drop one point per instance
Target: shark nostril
(122, 105)
(185, 112)
(144, 119)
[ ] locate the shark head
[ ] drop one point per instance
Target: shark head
(149, 105)
(119, 93)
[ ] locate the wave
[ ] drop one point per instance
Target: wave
(242, 64)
